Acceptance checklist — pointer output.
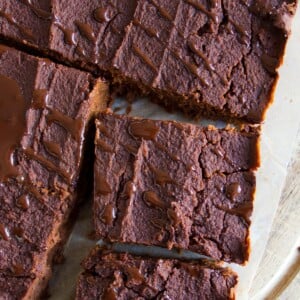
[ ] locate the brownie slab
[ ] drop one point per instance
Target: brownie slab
(45, 113)
(217, 58)
(122, 276)
(174, 185)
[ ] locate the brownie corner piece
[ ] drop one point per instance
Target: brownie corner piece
(46, 112)
(110, 275)
(174, 185)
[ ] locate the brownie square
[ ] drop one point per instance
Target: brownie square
(110, 275)
(213, 57)
(175, 185)
(45, 113)
(85, 34)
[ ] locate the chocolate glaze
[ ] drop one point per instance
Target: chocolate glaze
(13, 109)
(233, 190)
(153, 200)
(103, 187)
(37, 11)
(101, 14)
(143, 129)
(4, 232)
(23, 202)
(108, 214)
(86, 31)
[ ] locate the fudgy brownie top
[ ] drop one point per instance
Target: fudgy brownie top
(174, 185)
(215, 57)
(44, 109)
(123, 276)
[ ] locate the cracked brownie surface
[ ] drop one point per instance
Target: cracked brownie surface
(174, 185)
(214, 57)
(44, 120)
(123, 276)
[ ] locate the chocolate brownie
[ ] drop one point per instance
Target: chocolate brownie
(211, 57)
(45, 113)
(84, 33)
(174, 185)
(122, 276)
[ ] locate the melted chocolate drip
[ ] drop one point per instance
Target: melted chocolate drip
(108, 214)
(4, 232)
(161, 177)
(52, 148)
(86, 31)
(12, 124)
(23, 202)
(27, 34)
(37, 11)
(101, 14)
(233, 190)
(102, 186)
(110, 294)
(40, 98)
(69, 35)
(152, 199)
(144, 129)
(144, 57)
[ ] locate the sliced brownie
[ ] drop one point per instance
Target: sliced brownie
(174, 185)
(45, 113)
(122, 276)
(212, 57)
(84, 33)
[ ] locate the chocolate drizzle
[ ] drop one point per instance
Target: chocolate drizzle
(203, 9)
(103, 188)
(144, 129)
(161, 177)
(53, 149)
(110, 294)
(69, 35)
(40, 98)
(153, 200)
(23, 202)
(37, 11)
(144, 57)
(162, 11)
(108, 215)
(86, 31)
(101, 14)
(13, 109)
(4, 233)
(151, 32)
(233, 190)
(25, 32)
(73, 126)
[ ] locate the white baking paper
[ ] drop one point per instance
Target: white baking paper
(277, 142)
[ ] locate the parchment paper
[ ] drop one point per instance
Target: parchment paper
(277, 143)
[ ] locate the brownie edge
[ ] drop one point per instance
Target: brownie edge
(110, 275)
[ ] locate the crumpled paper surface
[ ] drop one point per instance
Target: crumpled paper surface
(277, 143)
